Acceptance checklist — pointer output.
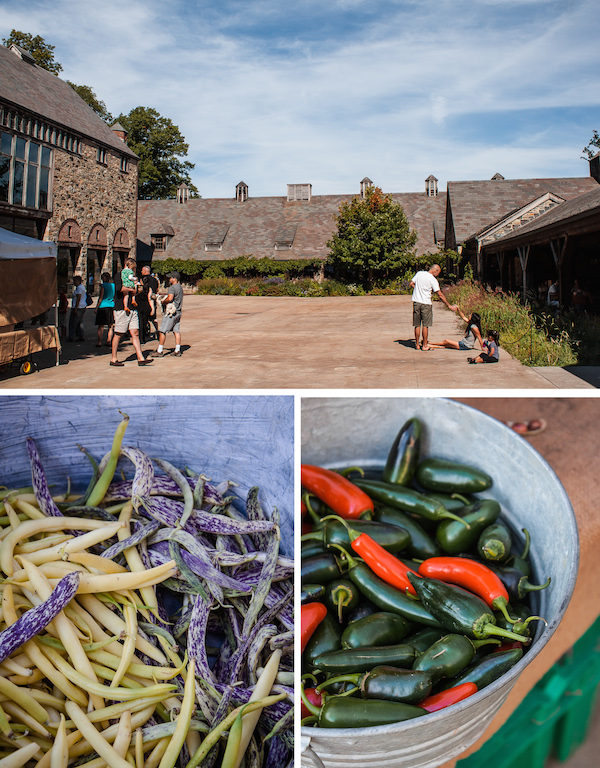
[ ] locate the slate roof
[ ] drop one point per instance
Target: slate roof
(476, 205)
(256, 224)
(45, 95)
(586, 206)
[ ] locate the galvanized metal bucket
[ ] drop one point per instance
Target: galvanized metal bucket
(360, 431)
(246, 439)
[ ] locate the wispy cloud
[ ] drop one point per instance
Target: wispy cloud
(329, 92)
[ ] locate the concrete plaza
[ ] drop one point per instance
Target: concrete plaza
(232, 342)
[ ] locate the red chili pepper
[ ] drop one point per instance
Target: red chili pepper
(508, 646)
(303, 508)
(446, 698)
(314, 697)
(306, 528)
(472, 575)
(312, 615)
(337, 492)
(379, 560)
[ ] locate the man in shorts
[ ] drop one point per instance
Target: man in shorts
(424, 284)
(172, 303)
(125, 321)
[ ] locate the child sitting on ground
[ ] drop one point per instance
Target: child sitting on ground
(128, 281)
(491, 353)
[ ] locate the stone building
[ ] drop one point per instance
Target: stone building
(296, 225)
(65, 175)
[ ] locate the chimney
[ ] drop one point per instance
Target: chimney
(431, 187)
(364, 185)
(119, 131)
(241, 192)
(595, 167)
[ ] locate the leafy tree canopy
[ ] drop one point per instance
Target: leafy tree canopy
(161, 149)
(593, 146)
(90, 98)
(42, 52)
(373, 241)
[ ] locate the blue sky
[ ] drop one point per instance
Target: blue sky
(329, 91)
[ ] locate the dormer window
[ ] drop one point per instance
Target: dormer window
(431, 186)
(241, 192)
(284, 237)
(215, 237)
(160, 239)
(299, 192)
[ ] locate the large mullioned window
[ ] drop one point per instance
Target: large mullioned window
(24, 172)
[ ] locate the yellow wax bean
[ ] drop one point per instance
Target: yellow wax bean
(65, 630)
(32, 512)
(36, 544)
(21, 697)
(139, 749)
(123, 737)
(110, 733)
(74, 544)
(10, 667)
(111, 621)
(4, 724)
(159, 750)
(111, 582)
(98, 634)
(13, 520)
(101, 564)
(134, 560)
(99, 490)
(55, 677)
(19, 680)
(59, 754)
(128, 644)
(188, 704)
(19, 715)
(96, 740)
(30, 528)
(116, 710)
(20, 756)
(108, 659)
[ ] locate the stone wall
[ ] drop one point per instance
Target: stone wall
(97, 197)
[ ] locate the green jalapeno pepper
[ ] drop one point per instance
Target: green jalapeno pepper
(311, 593)
(455, 539)
(440, 475)
(390, 537)
(446, 657)
(421, 544)
(363, 713)
(405, 499)
(386, 597)
(404, 455)
(312, 547)
(388, 683)
(458, 610)
(364, 659)
(423, 639)
(520, 562)
(381, 628)
(320, 569)
(488, 669)
(365, 608)
(494, 543)
(341, 597)
(325, 639)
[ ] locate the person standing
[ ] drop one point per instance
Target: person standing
(78, 307)
(424, 284)
(104, 309)
(151, 283)
(125, 321)
(172, 303)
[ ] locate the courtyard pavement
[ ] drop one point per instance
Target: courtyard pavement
(231, 342)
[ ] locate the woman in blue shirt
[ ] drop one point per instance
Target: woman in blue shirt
(104, 309)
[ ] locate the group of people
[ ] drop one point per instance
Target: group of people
(424, 285)
(128, 304)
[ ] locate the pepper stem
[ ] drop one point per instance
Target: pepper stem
(501, 604)
(309, 720)
(312, 536)
(349, 470)
(352, 562)
(494, 550)
(521, 626)
(316, 518)
(352, 532)
(491, 629)
(451, 516)
(312, 708)
(354, 679)
(460, 498)
(525, 586)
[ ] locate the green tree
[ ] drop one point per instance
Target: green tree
(593, 146)
(90, 98)
(42, 52)
(373, 241)
(161, 149)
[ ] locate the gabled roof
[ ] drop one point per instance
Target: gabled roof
(256, 225)
(476, 205)
(581, 213)
(41, 93)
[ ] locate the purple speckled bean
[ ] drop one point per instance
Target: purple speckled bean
(131, 541)
(196, 638)
(205, 522)
(256, 646)
(161, 486)
(263, 584)
(252, 573)
(254, 511)
(177, 477)
(144, 474)
(32, 622)
(279, 753)
(40, 486)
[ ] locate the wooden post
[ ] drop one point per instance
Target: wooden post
(523, 251)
